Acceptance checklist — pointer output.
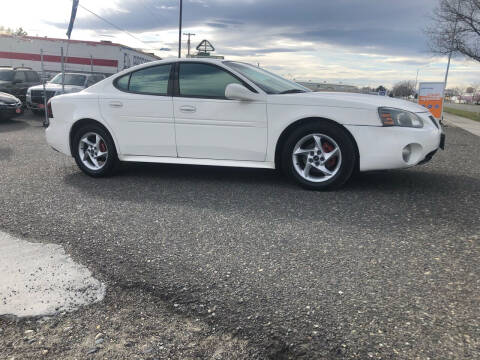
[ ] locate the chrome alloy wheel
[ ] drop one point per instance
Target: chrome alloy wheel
(317, 158)
(93, 151)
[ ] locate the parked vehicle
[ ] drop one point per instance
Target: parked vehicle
(211, 112)
(16, 81)
(74, 82)
(10, 106)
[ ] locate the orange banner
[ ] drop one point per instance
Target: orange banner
(430, 95)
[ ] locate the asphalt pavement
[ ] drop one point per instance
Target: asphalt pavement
(387, 267)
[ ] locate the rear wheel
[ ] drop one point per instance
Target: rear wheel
(94, 151)
(319, 156)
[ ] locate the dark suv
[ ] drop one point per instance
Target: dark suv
(16, 81)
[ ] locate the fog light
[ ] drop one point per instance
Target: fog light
(406, 152)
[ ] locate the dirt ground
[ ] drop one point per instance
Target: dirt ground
(128, 324)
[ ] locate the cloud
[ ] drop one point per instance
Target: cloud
(359, 41)
(386, 26)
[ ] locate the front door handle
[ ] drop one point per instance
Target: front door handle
(116, 104)
(188, 109)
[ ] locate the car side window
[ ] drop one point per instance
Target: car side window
(152, 80)
(32, 76)
(122, 82)
(204, 80)
(20, 76)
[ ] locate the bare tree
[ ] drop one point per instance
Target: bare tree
(456, 28)
(20, 32)
(8, 31)
(404, 89)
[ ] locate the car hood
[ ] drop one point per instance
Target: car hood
(347, 100)
(57, 87)
(7, 98)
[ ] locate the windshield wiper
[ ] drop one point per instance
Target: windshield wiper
(292, 91)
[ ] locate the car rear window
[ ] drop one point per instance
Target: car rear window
(33, 76)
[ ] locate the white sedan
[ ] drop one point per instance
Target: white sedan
(225, 113)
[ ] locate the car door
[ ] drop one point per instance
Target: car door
(140, 111)
(210, 126)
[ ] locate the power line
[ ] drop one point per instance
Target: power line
(113, 25)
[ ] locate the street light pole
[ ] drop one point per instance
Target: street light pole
(418, 72)
(450, 57)
(180, 31)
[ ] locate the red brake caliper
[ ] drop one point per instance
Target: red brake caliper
(102, 146)
(327, 147)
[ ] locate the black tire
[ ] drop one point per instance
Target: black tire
(335, 132)
(111, 162)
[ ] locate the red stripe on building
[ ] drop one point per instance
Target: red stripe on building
(58, 59)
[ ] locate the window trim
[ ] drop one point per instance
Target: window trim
(169, 85)
(176, 87)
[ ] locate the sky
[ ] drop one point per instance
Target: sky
(358, 42)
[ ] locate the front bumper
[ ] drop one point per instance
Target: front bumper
(10, 111)
(35, 106)
(382, 148)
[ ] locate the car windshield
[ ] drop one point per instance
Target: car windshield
(265, 80)
(70, 79)
(6, 75)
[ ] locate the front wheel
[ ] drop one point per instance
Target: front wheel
(94, 151)
(319, 156)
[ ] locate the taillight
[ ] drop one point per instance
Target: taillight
(49, 110)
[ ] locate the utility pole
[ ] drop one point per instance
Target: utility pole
(180, 31)
(188, 42)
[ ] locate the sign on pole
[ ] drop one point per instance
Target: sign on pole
(72, 17)
(430, 95)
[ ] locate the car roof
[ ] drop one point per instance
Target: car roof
(72, 73)
(173, 60)
(167, 61)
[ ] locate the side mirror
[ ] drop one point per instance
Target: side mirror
(240, 92)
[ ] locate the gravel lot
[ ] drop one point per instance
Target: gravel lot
(240, 264)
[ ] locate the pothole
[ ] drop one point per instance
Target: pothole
(42, 280)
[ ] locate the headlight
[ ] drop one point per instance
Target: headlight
(397, 117)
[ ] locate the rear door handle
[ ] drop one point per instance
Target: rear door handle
(188, 109)
(116, 104)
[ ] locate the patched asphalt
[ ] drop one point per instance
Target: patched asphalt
(385, 268)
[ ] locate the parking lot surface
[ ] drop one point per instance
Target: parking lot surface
(385, 268)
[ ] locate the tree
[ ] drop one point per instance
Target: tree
(404, 89)
(4, 30)
(8, 31)
(456, 28)
(20, 32)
